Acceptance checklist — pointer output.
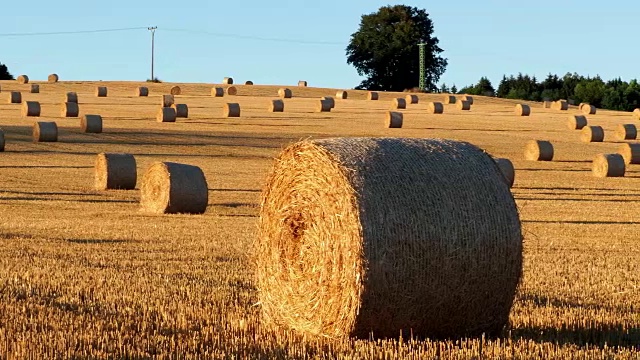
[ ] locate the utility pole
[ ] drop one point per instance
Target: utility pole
(422, 85)
(153, 43)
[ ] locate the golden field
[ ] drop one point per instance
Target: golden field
(86, 274)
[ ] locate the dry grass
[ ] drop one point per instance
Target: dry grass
(84, 272)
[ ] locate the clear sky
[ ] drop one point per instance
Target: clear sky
(480, 38)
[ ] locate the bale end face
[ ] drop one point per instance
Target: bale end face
(217, 92)
(91, 124)
(248, 82)
(608, 165)
(324, 106)
(53, 78)
(232, 90)
(398, 103)
(285, 93)
(393, 120)
(630, 153)
(560, 105)
(167, 100)
(330, 99)
(523, 110)
(23, 79)
(412, 99)
(166, 114)
(627, 132)
(175, 90)
(449, 99)
(182, 110)
(302, 83)
(35, 89)
(577, 122)
(101, 91)
(538, 150)
(30, 108)
(71, 97)
(231, 110)
(342, 95)
(592, 134)
(45, 131)
(227, 81)
(115, 171)
(171, 188)
(507, 170)
(588, 109)
(372, 95)
(435, 108)
(142, 91)
(468, 99)
(69, 109)
(276, 106)
(636, 113)
(463, 105)
(15, 97)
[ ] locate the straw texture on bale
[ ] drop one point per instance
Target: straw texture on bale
(435, 108)
(232, 90)
(630, 153)
(393, 119)
(627, 132)
(285, 93)
(182, 110)
(507, 170)
(227, 81)
(276, 106)
(372, 95)
(546, 104)
(468, 98)
(30, 108)
(231, 110)
(91, 124)
(217, 92)
(463, 105)
(302, 83)
(330, 99)
(342, 94)
(71, 97)
(398, 103)
(560, 105)
(35, 89)
(15, 97)
(44, 131)
(449, 99)
(115, 171)
(636, 113)
(23, 79)
(592, 134)
(175, 90)
(538, 150)
(101, 91)
(523, 110)
(581, 105)
(343, 250)
(608, 165)
(248, 82)
(2, 142)
(167, 100)
(412, 99)
(588, 109)
(69, 109)
(171, 188)
(142, 91)
(577, 122)
(53, 78)
(166, 114)
(324, 106)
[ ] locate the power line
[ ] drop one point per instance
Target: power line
(250, 37)
(72, 32)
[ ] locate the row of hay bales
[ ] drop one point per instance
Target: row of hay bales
(229, 81)
(47, 131)
(68, 108)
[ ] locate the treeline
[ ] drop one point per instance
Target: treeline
(613, 94)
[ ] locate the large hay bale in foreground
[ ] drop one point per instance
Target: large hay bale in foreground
(115, 171)
(91, 124)
(577, 122)
(592, 134)
(166, 114)
(101, 91)
(345, 250)
(398, 103)
(285, 93)
(538, 150)
(412, 99)
(217, 92)
(523, 110)
(45, 131)
(35, 89)
(588, 109)
(175, 90)
(232, 90)
(231, 110)
(302, 83)
(69, 109)
(435, 108)
(23, 79)
(608, 165)
(167, 100)
(30, 108)
(560, 105)
(276, 106)
(463, 105)
(626, 132)
(2, 142)
(324, 105)
(449, 99)
(15, 97)
(142, 91)
(372, 95)
(171, 188)
(227, 81)
(182, 110)
(393, 119)
(630, 153)
(342, 94)
(507, 170)
(53, 78)
(71, 97)
(330, 99)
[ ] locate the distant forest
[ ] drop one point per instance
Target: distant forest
(613, 94)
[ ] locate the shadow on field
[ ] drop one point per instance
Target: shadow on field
(237, 190)
(571, 188)
(582, 222)
(464, 129)
(568, 193)
(96, 241)
(569, 170)
(43, 167)
(580, 200)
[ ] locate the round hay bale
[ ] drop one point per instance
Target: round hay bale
(588, 109)
(248, 82)
(15, 97)
(577, 122)
(398, 103)
(182, 110)
(560, 105)
(231, 110)
(468, 99)
(53, 78)
(171, 188)
(101, 91)
(592, 134)
(115, 171)
(324, 106)
(412, 99)
(435, 108)
(330, 99)
(546, 104)
(71, 97)
(463, 105)
(166, 114)
(449, 99)
(636, 114)
(30, 108)
(302, 83)
(393, 119)
(626, 132)
(630, 153)
(372, 95)
(581, 105)
(227, 81)
(35, 89)
(45, 131)
(217, 92)
(142, 91)
(608, 165)
(167, 100)
(285, 93)
(232, 90)
(2, 142)
(276, 106)
(69, 109)
(523, 110)
(23, 79)
(345, 250)
(91, 124)
(342, 94)
(175, 90)
(507, 170)
(538, 150)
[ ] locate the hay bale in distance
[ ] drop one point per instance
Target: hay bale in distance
(35, 89)
(626, 132)
(538, 150)
(2, 142)
(302, 83)
(101, 91)
(182, 110)
(167, 100)
(560, 105)
(463, 105)
(91, 124)
(227, 81)
(393, 119)
(248, 82)
(231, 110)
(412, 99)
(588, 109)
(15, 97)
(398, 103)
(384, 246)
(285, 93)
(636, 113)
(45, 131)
(71, 97)
(468, 99)
(23, 79)
(577, 122)
(142, 91)
(69, 109)
(507, 170)
(53, 78)
(372, 95)
(435, 108)
(592, 134)
(30, 108)
(115, 171)
(166, 114)
(546, 104)
(276, 106)
(342, 94)
(324, 106)
(171, 188)
(217, 92)
(523, 110)
(449, 99)
(608, 165)
(330, 99)
(175, 90)
(232, 90)
(581, 105)
(630, 153)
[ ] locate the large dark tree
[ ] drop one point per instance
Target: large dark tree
(4, 73)
(385, 49)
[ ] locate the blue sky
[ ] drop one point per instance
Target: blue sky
(480, 38)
